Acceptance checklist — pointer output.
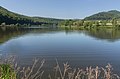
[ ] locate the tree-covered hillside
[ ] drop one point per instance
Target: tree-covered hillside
(105, 15)
(9, 17)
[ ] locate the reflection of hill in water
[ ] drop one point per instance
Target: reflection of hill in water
(110, 35)
(5, 36)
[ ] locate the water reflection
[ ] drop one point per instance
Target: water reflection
(7, 35)
(109, 34)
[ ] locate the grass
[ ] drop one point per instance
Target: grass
(88, 73)
(6, 72)
(13, 71)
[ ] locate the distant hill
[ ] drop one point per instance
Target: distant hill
(105, 15)
(13, 18)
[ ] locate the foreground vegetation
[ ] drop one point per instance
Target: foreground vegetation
(11, 70)
(7, 72)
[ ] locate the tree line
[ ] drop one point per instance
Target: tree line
(9, 17)
(90, 23)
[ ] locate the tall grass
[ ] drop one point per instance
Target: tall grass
(88, 73)
(10, 70)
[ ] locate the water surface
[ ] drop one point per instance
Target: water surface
(80, 48)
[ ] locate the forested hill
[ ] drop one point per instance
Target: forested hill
(105, 15)
(9, 17)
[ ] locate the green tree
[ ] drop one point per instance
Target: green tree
(97, 24)
(79, 23)
(91, 23)
(86, 24)
(103, 23)
(114, 22)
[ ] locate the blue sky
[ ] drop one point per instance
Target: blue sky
(74, 9)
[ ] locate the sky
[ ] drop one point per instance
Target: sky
(66, 9)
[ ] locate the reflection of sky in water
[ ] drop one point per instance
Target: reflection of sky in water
(75, 47)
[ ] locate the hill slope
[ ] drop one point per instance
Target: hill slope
(12, 18)
(104, 15)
